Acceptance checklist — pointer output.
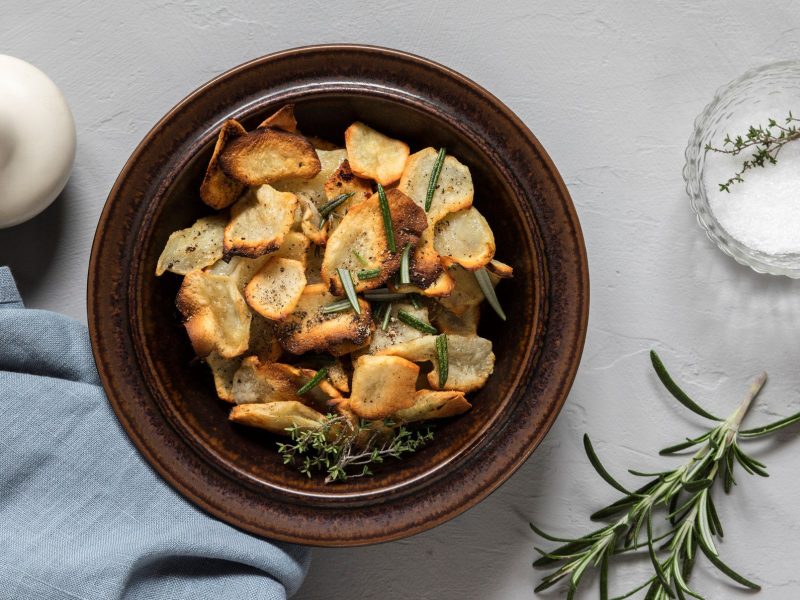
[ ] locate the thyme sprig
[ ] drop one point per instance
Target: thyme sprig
(766, 143)
(342, 451)
(684, 494)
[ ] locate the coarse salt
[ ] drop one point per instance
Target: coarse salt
(763, 212)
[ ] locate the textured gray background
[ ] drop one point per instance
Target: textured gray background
(611, 90)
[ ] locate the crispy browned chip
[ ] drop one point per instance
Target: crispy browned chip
(339, 376)
(313, 189)
(466, 291)
(268, 155)
(259, 223)
(465, 238)
(277, 417)
(283, 119)
(217, 316)
(454, 190)
(397, 331)
(321, 144)
(442, 286)
(275, 290)
(308, 328)
(373, 155)
(362, 231)
(382, 385)
(470, 359)
(218, 190)
(344, 181)
(194, 247)
(433, 404)
(257, 381)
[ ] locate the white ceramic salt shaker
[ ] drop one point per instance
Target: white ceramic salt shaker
(37, 141)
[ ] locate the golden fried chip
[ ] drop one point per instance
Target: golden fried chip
(223, 370)
(218, 190)
(259, 223)
(282, 119)
(373, 155)
(432, 404)
(465, 238)
(397, 331)
(362, 231)
(470, 359)
(314, 258)
(382, 385)
(311, 223)
(442, 286)
(339, 376)
(466, 292)
(268, 155)
(453, 191)
(194, 247)
(275, 290)
(217, 316)
(344, 181)
(321, 144)
(308, 328)
(465, 324)
(313, 189)
(500, 269)
(277, 417)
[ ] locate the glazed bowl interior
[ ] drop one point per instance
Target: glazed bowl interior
(184, 385)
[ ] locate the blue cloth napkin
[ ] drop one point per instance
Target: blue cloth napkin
(81, 514)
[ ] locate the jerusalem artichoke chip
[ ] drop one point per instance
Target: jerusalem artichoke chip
(500, 269)
(313, 189)
(453, 191)
(267, 156)
(466, 292)
(465, 238)
(465, 324)
(218, 190)
(282, 119)
(470, 360)
(259, 223)
(257, 381)
(217, 316)
(373, 155)
(382, 385)
(339, 376)
(361, 235)
(397, 331)
(344, 181)
(308, 328)
(432, 404)
(275, 290)
(194, 247)
(277, 417)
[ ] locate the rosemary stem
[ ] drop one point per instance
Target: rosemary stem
(735, 420)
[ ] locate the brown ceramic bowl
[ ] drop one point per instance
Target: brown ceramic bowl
(165, 399)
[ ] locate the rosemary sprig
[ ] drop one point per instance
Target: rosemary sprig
(435, 172)
(414, 322)
(685, 494)
(337, 448)
(405, 270)
(368, 274)
(349, 289)
(442, 359)
(485, 283)
(387, 219)
(415, 300)
(314, 381)
(338, 306)
(383, 295)
(386, 316)
(766, 143)
(326, 209)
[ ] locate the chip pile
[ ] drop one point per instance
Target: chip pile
(292, 290)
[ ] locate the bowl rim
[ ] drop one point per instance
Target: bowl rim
(568, 370)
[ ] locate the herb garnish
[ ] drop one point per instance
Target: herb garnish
(386, 316)
(338, 306)
(326, 209)
(314, 381)
(442, 359)
(387, 219)
(405, 272)
(767, 142)
(360, 258)
(437, 169)
(485, 283)
(334, 449)
(684, 493)
(414, 322)
(347, 283)
(368, 274)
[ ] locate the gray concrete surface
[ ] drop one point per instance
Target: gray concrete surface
(611, 90)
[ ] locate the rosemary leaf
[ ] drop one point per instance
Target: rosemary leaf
(386, 316)
(314, 381)
(442, 359)
(405, 272)
(485, 283)
(360, 258)
(383, 295)
(349, 288)
(326, 209)
(598, 466)
(435, 172)
(675, 390)
(415, 301)
(414, 322)
(368, 274)
(338, 306)
(388, 226)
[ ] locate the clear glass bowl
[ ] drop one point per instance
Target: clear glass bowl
(751, 93)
